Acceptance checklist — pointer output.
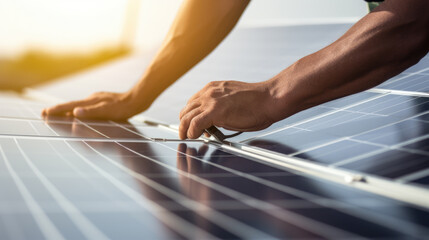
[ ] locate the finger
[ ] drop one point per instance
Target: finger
(198, 124)
(181, 157)
(195, 96)
(68, 107)
(194, 165)
(52, 118)
(203, 150)
(188, 108)
(185, 121)
(101, 110)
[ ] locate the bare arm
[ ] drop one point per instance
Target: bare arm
(381, 45)
(198, 28)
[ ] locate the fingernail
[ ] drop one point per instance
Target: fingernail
(77, 112)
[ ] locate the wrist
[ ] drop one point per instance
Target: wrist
(136, 102)
(284, 100)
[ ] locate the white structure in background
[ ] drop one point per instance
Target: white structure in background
(63, 25)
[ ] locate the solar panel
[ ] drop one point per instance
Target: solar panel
(356, 167)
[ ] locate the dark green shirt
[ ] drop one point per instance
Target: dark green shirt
(373, 4)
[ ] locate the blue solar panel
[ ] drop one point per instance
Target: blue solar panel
(356, 167)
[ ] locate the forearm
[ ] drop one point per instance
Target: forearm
(199, 27)
(381, 45)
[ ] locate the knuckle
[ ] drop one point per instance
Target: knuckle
(193, 128)
(94, 95)
(215, 105)
(185, 121)
(213, 92)
(196, 122)
(211, 84)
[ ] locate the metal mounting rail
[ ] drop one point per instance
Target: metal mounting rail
(403, 192)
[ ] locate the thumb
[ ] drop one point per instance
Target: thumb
(98, 110)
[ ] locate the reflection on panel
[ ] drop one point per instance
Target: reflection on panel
(179, 189)
(361, 137)
(392, 164)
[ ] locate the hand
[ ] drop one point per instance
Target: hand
(101, 105)
(232, 105)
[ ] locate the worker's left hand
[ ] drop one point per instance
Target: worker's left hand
(232, 105)
(101, 105)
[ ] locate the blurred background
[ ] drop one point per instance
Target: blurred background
(47, 39)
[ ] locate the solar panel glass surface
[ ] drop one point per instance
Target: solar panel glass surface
(67, 178)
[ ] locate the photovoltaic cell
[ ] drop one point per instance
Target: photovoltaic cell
(343, 137)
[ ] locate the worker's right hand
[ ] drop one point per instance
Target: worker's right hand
(101, 105)
(233, 105)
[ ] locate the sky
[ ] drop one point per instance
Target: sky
(82, 25)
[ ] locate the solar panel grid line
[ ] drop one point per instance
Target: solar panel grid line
(88, 139)
(367, 114)
(308, 196)
(95, 130)
(46, 226)
(393, 105)
(318, 146)
(243, 197)
(415, 105)
(338, 120)
(117, 206)
(170, 127)
(374, 153)
(129, 130)
(84, 225)
(36, 115)
(70, 165)
(285, 189)
(380, 186)
(413, 176)
(204, 234)
(357, 140)
(57, 121)
(182, 227)
(360, 157)
(397, 92)
(409, 228)
(313, 118)
(411, 150)
(375, 218)
(228, 223)
(34, 128)
(408, 86)
(300, 221)
(386, 148)
(87, 126)
(375, 106)
(370, 189)
(410, 74)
